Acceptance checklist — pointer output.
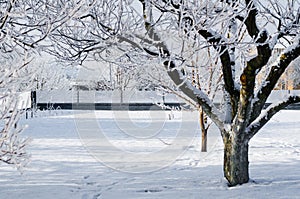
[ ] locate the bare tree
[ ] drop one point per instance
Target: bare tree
(13, 80)
(24, 27)
(240, 34)
(205, 77)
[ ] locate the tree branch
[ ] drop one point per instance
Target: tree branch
(178, 77)
(276, 71)
(4, 19)
(217, 41)
(260, 38)
(195, 94)
(253, 66)
(257, 124)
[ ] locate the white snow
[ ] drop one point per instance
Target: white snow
(61, 167)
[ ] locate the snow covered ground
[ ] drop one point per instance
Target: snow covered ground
(64, 166)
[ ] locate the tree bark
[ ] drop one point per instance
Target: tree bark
(236, 164)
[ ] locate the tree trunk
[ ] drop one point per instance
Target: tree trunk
(236, 164)
(203, 131)
(204, 140)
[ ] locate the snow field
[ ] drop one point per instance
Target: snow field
(62, 167)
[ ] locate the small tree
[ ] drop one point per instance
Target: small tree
(240, 34)
(202, 75)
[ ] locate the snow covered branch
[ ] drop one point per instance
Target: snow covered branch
(217, 41)
(178, 76)
(266, 115)
(195, 94)
(277, 69)
(13, 147)
(24, 30)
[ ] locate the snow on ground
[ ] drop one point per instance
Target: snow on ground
(61, 166)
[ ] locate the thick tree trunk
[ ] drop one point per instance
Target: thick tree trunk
(236, 164)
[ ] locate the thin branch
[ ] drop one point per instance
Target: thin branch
(5, 18)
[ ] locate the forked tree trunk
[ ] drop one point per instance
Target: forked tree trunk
(236, 164)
